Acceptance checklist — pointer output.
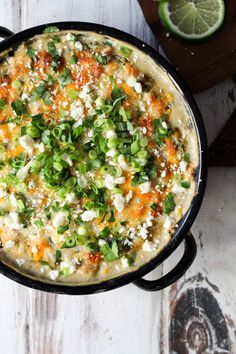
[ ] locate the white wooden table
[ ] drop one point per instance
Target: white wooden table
(128, 320)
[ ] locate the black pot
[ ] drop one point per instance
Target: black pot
(182, 232)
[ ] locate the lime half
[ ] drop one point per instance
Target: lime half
(192, 19)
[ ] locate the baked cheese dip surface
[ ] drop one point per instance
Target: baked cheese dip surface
(97, 157)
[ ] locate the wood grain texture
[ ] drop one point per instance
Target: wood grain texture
(126, 320)
(204, 64)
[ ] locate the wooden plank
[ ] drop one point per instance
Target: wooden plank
(102, 323)
(204, 64)
(205, 296)
(110, 13)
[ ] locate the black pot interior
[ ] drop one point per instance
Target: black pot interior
(200, 177)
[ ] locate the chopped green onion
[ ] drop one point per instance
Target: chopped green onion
(117, 190)
(169, 204)
(99, 102)
(112, 142)
(154, 206)
(39, 223)
(186, 157)
(92, 154)
(69, 242)
(65, 78)
(19, 107)
(105, 232)
(51, 29)
(99, 183)
(73, 60)
(72, 94)
(56, 132)
(71, 182)
(135, 147)
(16, 84)
(62, 229)
(31, 53)
(185, 184)
(143, 142)
(82, 168)
(2, 103)
(125, 51)
(131, 259)
(102, 59)
(33, 132)
(58, 256)
(142, 154)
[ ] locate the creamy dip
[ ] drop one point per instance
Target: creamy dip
(98, 152)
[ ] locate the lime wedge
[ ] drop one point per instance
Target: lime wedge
(192, 19)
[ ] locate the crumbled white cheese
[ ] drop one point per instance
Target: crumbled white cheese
(168, 222)
(183, 166)
(69, 37)
(78, 45)
(13, 200)
(110, 134)
(70, 198)
(77, 110)
(128, 196)
(131, 81)
(163, 174)
(122, 163)
(142, 107)
(53, 274)
(124, 262)
(90, 133)
(164, 124)
(138, 87)
(78, 123)
(149, 220)
(25, 96)
(26, 142)
(89, 215)
(67, 159)
(177, 188)
(121, 229)
(13, 221)
(132, 233)
(20, 261)
(34, 249)
(23, 171)
(111, 153)
(9, 244)
(142, 162)
(145, 187)
(144, 130)
(119, 202)
(111, 181)
(148, 246)
(59, 218)
(101, 242)
(2, 193)
(68, 265)
(120, 180)
(143, 231)
(41, 147)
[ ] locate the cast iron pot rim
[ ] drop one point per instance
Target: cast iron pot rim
(201, 173)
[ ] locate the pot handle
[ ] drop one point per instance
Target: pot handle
(171, 277)
(5, 32)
